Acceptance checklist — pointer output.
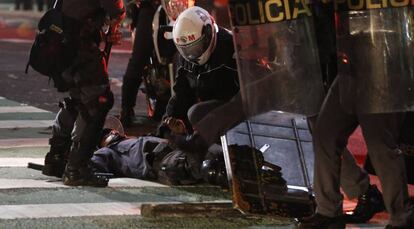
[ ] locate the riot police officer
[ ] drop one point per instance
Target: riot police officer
(206, 78)
(355, 181)
(79, 122)
(371, 91)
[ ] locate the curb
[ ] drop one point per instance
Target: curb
(209, 209)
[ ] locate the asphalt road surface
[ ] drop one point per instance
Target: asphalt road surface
(28, 104)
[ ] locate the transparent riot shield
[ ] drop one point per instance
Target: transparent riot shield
(277, 56)
(376, 59)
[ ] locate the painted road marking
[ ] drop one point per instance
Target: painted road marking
(23, 143)
(21, 109)
(133, 183)
(19, 162)
(68, 210)
(57, 183)
(12, 124)
(113, 183)
(29, 183)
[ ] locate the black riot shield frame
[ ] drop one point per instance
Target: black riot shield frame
(278, 139)
(376, 56)
(277, 56)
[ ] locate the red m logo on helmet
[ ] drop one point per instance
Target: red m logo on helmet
(191, 37)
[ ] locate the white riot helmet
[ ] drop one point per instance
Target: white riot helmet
(195, 35)
(173, 8)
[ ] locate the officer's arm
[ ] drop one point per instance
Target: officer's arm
(178, 105)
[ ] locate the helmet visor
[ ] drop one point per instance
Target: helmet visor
(196, 49)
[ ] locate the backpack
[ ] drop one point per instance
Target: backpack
(50, 54)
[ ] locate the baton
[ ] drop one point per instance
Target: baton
(35, 166)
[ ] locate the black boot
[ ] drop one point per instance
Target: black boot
(54, 165)
(127, 117)
(83, 176)
(368, 205)
(319, 221)
(56, 159)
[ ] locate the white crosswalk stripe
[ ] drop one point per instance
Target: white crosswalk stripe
(23, 143)
(68, 210)
(19, 161)
(9, 124)
(21, 109)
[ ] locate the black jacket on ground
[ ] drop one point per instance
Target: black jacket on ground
(215, 80)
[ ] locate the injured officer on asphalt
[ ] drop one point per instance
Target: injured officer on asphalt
(152, 158)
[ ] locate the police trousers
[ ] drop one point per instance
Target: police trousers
(141, 53)
(79, 123)
(213, 118)
(381, 134)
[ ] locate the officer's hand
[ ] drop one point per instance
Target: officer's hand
(177, 126)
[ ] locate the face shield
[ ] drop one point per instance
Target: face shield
(193, 51)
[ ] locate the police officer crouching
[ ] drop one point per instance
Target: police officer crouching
(79, 123)
(206, 76)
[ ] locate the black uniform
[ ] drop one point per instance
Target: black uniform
(201, 88)
(79, 123)
(141, 53)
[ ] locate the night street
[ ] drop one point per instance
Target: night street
(28, 199)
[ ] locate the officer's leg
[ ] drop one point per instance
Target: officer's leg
(333, 128)
(143, 47)
(96, 100)
(216, 122)
(55, 160)
(85, 137)
(355, 181)
(200, 110)
(381, 133)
